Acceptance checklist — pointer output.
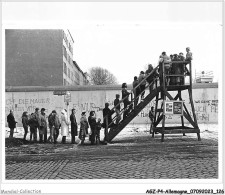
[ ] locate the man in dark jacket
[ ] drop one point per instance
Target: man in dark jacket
(92, 123)
(11, 123)
(73, 126)
(107, 114)
(151, 117)
(150, 78)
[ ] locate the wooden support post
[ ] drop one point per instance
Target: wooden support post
(182, 118)
(156, 107)
(163, 128)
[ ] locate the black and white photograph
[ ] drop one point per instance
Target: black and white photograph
(112, 97)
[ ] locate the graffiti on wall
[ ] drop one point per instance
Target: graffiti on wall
(22, 105)
(206, 110)
(203, 110)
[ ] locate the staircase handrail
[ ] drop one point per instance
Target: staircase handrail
(137, 85)
(132, 100)
(133, 91)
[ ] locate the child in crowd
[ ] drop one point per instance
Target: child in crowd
(98, 128)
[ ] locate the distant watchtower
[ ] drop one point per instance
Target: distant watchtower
(167, 104)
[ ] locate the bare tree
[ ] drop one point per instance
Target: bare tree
(100, 76)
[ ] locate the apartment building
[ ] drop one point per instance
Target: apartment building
(40, 57)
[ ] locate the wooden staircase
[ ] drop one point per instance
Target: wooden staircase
(163, 91)
(118, 128)
(115, 129)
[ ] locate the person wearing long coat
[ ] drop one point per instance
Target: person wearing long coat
(43, 127)
(25, 124)
(83, 127)
(92, 123)
(73, 126)
(11, 123)
(64, 126)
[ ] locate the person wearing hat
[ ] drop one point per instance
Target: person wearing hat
(73, 126)
(43, 127)
(83, 127)
(64, 126)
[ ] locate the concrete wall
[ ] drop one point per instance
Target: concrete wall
(34, 57)
(94, 97)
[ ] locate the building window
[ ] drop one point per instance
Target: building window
(64, 68)
(68, 57)
(64, 81)
(72, 76)
(68, 72)
(64, 52)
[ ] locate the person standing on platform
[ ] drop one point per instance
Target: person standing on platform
(182, 67)
(188, 54)
(117, 108)
(167, 65)
(25, 124)
(73, 126)
(64, 126)
(188, 59)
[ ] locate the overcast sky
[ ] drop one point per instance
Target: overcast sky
(124, 37)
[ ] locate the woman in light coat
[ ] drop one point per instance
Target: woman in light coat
(64, 126)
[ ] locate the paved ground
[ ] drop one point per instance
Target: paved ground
(134, 154)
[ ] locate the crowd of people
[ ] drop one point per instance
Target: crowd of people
(174, 68)
(39, 122)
